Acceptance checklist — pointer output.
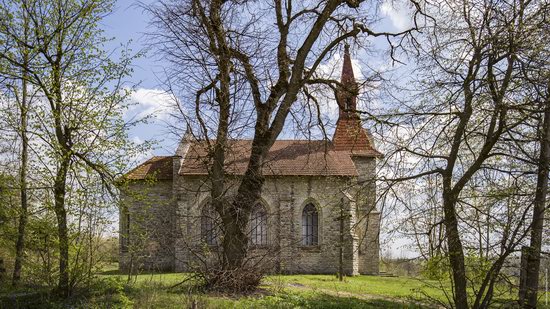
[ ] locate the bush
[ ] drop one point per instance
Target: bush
(111, 292)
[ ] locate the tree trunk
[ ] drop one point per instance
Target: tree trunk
(533, 258)
(454, 244)
(61, 215)
(235, 242)
(23, 215)
(20, 244)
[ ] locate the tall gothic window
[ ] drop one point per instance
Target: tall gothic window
(209, 226)
(310, 226)
(258, 224)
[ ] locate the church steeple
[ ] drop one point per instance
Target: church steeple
(346, 95)
(349, 134)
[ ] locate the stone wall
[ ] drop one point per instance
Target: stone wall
(368, 217)
(151, 211)
(284, 198)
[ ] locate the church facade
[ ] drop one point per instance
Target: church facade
(319, 196)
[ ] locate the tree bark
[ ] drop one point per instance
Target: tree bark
(23, 212)
(236, 217)
(537, 226)
(61, 216)
(454, 244)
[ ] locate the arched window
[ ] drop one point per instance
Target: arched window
(310, 226)
(258, 224)
(209, 226)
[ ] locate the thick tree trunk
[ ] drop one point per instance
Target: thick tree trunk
(533, 258)
(61, 215)
(235, 243)
(454, 244)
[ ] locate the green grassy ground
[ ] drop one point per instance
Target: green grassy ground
(113, 290)
(294, 291)
(314, 291)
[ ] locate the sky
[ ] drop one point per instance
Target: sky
(128, 25)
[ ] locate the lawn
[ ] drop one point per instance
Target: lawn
(277, 291)
(288, 291)
(291, 291)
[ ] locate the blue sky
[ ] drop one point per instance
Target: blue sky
(129, 23)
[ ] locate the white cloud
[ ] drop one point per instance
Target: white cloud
(154, 103)
(398, 13)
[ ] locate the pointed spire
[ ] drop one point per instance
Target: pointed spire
(346, 96)
(349, 134)
(184, 142)
(188, 135)
(347, 69)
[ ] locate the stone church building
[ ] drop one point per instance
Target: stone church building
(318, 196)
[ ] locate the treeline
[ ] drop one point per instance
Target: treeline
(467, 142)
(63, 140)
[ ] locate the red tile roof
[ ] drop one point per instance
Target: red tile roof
(285, 158)
(352, 137)
(159, 167)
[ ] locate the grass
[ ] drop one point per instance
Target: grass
(395, 287)
(278, 291)
(298, 291)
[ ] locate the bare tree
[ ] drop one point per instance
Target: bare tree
(251, 61)
(469, 100)
(536, 72)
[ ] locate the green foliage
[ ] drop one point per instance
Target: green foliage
(436, 268)
(8, 213)
(476, 267)
(108, 292)
(40, 264)
(78, 103)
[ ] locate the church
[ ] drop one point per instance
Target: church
(317, 209)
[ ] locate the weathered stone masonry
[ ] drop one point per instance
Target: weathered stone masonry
(165, 222)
